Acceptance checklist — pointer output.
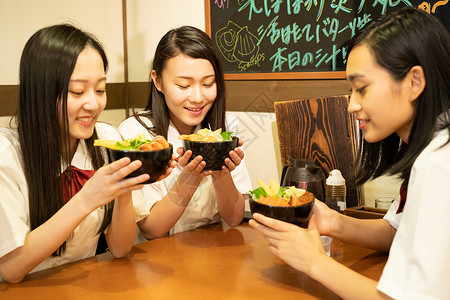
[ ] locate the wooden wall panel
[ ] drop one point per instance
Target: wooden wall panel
(260, 95)
(245, 95)
(116, 95)
(138, 94)
(9, 98)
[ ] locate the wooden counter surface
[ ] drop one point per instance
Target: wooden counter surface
(213, 262)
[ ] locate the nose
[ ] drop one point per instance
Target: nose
(353, 106)
(197, 94)
(91, 101)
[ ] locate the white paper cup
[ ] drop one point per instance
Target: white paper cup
(326, 242)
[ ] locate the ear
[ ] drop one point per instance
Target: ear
(417, 81)
(156, 80)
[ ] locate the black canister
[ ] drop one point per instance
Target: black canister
(304, 174)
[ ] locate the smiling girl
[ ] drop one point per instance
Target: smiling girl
(398, 68)
(54, 206)
(187, 93)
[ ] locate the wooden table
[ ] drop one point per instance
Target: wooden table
(213, 262)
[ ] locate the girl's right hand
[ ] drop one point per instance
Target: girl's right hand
(298, 247)
(108, 182)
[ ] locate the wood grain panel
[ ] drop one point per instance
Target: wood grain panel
(244, 95)
(138, 93)
(116, 95)
(9, 97)
(260, 95)
(257, 95)
(322, 130)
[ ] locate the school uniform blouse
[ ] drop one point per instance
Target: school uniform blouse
(14, 204)
(419, 258)
(202, 208)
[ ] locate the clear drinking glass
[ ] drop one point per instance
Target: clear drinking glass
(383, 202)
(326, 242)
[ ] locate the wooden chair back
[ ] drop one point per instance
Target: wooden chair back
(320, 129)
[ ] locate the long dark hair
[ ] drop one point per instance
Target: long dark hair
(398, 42)
(194, 43)
(47, 62)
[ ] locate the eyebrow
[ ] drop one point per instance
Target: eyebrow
(352, 77)
(84, 80)
(187, 77)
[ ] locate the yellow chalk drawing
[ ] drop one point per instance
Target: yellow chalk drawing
(237, 43)
(426, 6)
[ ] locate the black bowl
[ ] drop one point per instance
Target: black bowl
(213, 153)
(298, 215)
(154, 162)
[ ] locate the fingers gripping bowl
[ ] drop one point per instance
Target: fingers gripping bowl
(290, 205)
(154, 162)
(155, 155)
(213, 146)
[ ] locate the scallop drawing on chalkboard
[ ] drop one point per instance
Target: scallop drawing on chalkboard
(237, 43)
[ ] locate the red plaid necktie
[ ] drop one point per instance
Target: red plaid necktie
(79, 178)
(403, 192)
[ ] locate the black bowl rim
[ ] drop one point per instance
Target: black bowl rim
(141, 151)
(220, 142)
(250, 198)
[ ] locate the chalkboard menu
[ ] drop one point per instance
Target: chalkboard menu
(267, 39)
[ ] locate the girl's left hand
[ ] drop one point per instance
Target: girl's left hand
(298, 247)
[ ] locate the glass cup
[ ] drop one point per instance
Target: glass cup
(383, 202)
(326, 242)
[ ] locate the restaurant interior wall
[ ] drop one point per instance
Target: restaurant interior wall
(144, 23)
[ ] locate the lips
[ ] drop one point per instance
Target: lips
(85, 120)
(195, 111)
(363, 123)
